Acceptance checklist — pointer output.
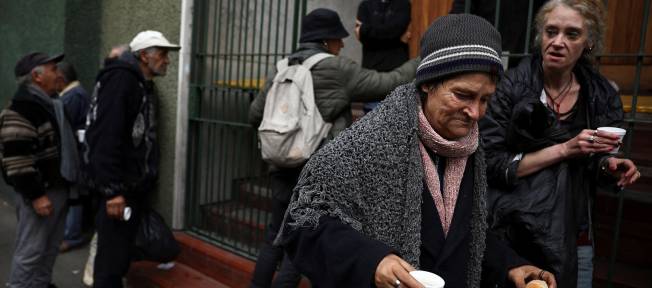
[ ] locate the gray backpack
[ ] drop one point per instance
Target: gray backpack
(292, 127)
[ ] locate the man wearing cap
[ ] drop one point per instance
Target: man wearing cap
(405, 188)
(337, 81)
(122, 150)
(39, 159)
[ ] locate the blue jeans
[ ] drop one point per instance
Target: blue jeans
(585, 266)
(73, 234)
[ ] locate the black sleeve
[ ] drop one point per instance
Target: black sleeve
(501, 167)
(458, 6)
(393, 28)
(109, 133)
(335, 255)
(499, 258)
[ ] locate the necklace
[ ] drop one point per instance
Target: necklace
(556, 101)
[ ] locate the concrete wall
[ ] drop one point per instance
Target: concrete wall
(121, 21)
(27, 26)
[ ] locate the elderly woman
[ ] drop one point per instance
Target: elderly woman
(544, 154)
(404, 188)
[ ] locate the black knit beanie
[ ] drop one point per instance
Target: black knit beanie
(322, 24)
(459, 43)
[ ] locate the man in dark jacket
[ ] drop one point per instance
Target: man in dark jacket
(382, 28)
(76, 101)
(122, 149)
(39, 159)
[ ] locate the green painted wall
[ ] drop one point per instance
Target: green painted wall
(86, 30)
(121, 21)
(26, 26)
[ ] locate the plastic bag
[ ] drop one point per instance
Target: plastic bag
(154, 239)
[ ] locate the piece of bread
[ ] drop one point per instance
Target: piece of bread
(536, 284)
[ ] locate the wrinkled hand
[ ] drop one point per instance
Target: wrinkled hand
(392, 268)
(590, 141)
(624, 169)
(357, 28)
(523, 274)
(115, 207)
(42, 206)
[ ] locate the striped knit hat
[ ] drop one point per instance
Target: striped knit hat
(459, 43)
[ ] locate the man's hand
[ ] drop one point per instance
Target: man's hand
(406, 35)
(522, 274)
(393, 268)
(115, 207)
(42, 206)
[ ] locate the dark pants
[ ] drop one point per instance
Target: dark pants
(282, 182)
(114, 244)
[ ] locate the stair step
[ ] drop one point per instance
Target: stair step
(233, 270)
(241, 224)
(145, 274)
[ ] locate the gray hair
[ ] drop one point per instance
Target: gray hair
(27, 78)
(149, 51)
(592, 11)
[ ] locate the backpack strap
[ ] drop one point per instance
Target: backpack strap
(314, 59)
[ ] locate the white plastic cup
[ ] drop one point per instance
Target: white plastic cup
(615, 130)
(126, 213)
(428, 279)
(81, 135)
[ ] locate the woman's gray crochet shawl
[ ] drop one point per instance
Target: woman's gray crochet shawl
(371, 178)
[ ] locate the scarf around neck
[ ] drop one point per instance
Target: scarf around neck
(69, 167)
(456, 153)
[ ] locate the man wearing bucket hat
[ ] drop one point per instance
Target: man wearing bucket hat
(337, 81)
(405, 188)
(122, 152)
(40, 161)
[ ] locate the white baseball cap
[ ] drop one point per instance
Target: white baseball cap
(150, 38)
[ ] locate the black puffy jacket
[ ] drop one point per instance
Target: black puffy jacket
(537, 213)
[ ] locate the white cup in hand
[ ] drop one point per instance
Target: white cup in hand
(615, 130)
(428, 279)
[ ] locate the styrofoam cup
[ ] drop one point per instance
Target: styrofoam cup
(615, 130)
(428, 279)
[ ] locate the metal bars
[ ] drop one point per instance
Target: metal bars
(235, 45)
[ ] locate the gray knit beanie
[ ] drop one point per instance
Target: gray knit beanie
(459, 43)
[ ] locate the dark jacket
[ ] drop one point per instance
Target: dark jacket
(538, 213)
(383, 24)
(122, 152)
(337, 82)
(31, 151)
(77, 102)
(369, 181)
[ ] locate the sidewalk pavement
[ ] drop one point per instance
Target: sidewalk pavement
(68, 269)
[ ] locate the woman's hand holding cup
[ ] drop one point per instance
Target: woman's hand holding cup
(393, 272)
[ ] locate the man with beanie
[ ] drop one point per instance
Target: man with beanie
(40, 160)
(337, 81)
(405, 187)
(122, 151)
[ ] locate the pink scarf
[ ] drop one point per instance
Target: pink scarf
(456, 153)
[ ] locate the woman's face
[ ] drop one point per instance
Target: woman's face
(564, 39)
(454, 106)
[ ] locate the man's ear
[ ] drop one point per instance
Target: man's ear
(36, 77)
(142, 56)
